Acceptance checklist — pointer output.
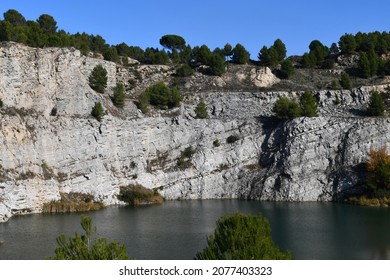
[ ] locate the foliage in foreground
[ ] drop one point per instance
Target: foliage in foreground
(87, 247)
(242, 237)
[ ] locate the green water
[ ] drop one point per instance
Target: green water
(178, 229)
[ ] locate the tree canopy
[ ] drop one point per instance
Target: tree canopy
(242, 237)
(240, 55)
(87, 246)
(172, 42)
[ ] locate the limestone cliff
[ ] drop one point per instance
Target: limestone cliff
(42, 155)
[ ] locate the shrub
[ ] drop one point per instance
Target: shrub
(53, 112)
(308, 105)
(285, 108)
(98, 79)
(242, 237)
(184, 71)
(87, 247)
(231, 139)
(201, 110)
(1, 103)
(216, 143)
(378, 168)
(217, 65)
(184, 161)
(159, 95)
(139, 195)
(287, 69)
(97, 111)
(345, 81)
(376, 107)
(119, 95)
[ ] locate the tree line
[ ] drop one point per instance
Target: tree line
(44, 32)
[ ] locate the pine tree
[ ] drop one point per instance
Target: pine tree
(376, 106)
(98, 78)
(87, 247)
(345, 81)
(98, 111)
(308, 105)
(201, 110)
(242, 237)
(119, 95)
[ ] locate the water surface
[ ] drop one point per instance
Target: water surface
(178, 229)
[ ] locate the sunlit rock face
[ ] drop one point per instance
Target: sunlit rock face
(44, 154)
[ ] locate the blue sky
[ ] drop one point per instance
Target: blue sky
(214, 23)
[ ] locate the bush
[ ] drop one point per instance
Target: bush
(216, 143)
(159, 95)
(184, 161)
(98, 111)
(285, 108)
(378, 169)
(53, 112)
(308, 105)
(119, 95)
(98, 79)
(139, 195)
(231, 139)
(184, 71)
(376, 107)
(287, 69)
(345, 81)
(87, 247)
(217, 65)
(242, 237)
(201, 110)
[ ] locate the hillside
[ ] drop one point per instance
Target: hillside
(44, 155)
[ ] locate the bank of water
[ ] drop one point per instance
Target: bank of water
(178, 229)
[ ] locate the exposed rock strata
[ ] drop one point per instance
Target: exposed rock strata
(42, 156)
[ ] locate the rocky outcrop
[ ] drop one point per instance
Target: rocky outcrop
(43, 156)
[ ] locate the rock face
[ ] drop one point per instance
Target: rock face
(42, 156)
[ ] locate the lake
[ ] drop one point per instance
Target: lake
(178, 229)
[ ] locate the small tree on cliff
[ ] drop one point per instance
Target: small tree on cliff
(98, 111)
(201, 110)
(376, 107)
(98, 78)
(119, 95)
(308, 104)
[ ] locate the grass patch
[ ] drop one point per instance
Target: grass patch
(139, 195)
(72, 202)
(366, 201)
